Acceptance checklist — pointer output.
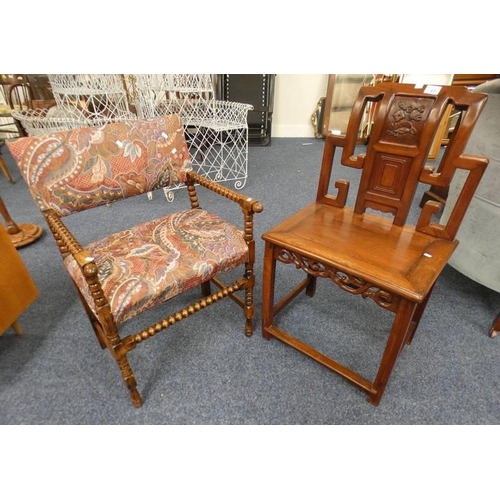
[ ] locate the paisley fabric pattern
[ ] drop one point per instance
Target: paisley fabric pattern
(150, 263)
(79, 169)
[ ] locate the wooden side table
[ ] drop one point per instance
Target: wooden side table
(20, 234)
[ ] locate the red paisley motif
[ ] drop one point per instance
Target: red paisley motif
(80, 169)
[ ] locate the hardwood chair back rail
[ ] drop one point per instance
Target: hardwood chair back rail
(391, 169)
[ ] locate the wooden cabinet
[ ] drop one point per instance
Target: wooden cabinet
(17, 290)
(257, 90)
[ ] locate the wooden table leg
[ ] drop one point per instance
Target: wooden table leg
(17, 327)
(5, 170)
(20, 234)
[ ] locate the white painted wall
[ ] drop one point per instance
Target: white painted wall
(295, 99)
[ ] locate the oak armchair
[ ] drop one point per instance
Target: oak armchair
(131, 271)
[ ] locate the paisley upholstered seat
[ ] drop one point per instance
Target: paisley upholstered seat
(146, 265)
(129, 272)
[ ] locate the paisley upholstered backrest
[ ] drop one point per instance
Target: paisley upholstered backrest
(78, 169)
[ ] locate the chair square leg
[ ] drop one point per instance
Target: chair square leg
(268, 290)
(395, 343)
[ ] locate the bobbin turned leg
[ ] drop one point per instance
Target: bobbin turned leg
(130, 381)
(205, 289)
(249, 308)
(249, 311)
(109, 335)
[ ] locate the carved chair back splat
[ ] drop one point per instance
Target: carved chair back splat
(131, 271)
(379, 256)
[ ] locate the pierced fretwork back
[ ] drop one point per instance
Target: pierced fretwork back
(405, 122)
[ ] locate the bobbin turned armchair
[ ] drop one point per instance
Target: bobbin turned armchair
(369, 254)
(131, 271)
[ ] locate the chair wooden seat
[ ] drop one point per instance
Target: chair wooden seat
(380, 257)
(148, 264)
(368, 246)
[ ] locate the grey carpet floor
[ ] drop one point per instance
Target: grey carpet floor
(205, 371)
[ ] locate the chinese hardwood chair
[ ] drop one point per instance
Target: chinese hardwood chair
(369, 254)
(131, 271)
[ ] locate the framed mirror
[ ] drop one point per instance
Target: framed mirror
(341, 93)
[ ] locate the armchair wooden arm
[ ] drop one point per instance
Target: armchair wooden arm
(248, 205)
(68, 245)
(66, 242)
